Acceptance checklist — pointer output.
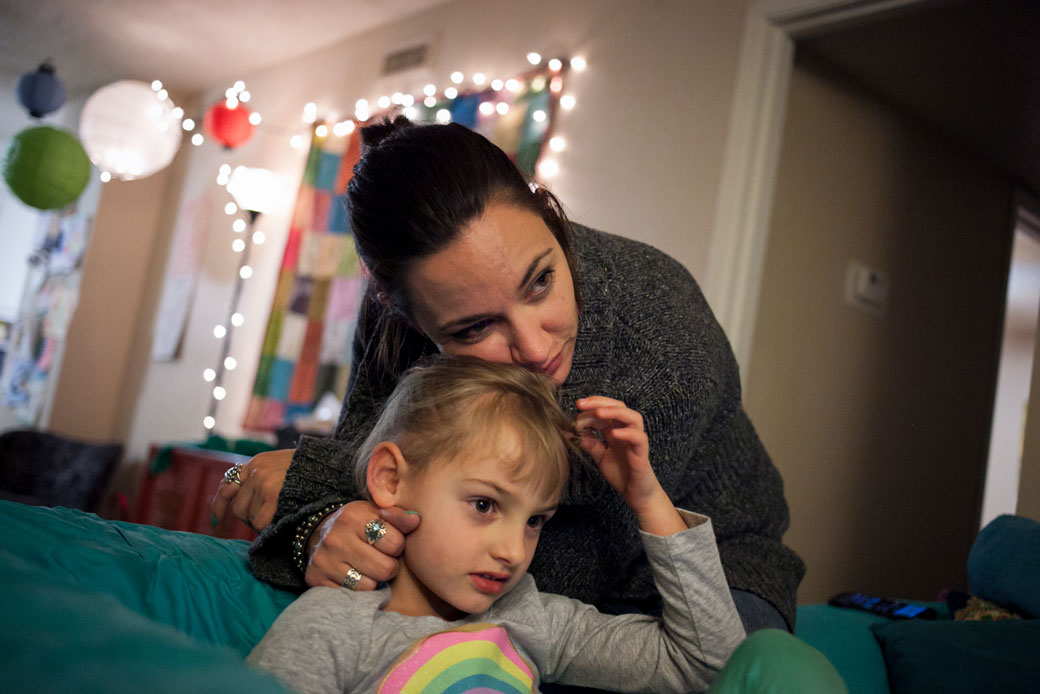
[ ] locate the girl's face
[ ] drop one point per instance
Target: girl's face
(478, 532)
(502, 292)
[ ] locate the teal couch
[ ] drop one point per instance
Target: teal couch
(89, 605)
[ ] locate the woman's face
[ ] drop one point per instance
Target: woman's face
(502, 292)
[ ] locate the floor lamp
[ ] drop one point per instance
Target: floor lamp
(256, 191)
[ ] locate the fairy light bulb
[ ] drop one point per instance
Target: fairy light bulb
(539, 116)
(105, 177)
(534, 58)
(156, 85)
(497, 85)
(296, 142)
(567, 102)
(244, 96)
(208, 422)
(238, 245)
(486, 108)
(555, 64)
(321, 130)
(240, 86)
(502, 108)
(479, 78)
(219, 393)
(219, 331)
(197, 139)
(230, 363)
(548, 168)
(457, 77)
(255, 118)
(208, 375)
(557, 144)
(188, 124)
(443, 116)
(513, 85)
(578, 63)
(238, 226)
(259, 237)
(430, 101)
(451, 92)
(230, 208)
(430, 90)
(237, 319)
(245, 272)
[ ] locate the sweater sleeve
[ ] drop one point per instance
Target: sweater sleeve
(322, 469)
(680, 651)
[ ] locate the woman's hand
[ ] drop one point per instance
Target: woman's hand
(339, 544)
(255, 500)
(623, 457)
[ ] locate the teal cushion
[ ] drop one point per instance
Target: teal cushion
(844, 636)
(951, 657)
(1004, 564)
(58, 636)
(199, 585)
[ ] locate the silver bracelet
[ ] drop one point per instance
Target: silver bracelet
(303, 533)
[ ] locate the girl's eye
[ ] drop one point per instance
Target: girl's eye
(536, 522)
(473, 332)
(483, 505)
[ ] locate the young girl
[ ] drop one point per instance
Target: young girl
(479, 450)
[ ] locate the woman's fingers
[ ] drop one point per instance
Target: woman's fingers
(226, 492)
(343, 544)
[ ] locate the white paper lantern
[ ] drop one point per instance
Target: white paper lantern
(130, 130)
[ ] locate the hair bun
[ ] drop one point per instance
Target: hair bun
(372, 135)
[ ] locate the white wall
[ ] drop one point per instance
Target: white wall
(644, 154)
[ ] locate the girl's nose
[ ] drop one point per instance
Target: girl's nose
(509, 547)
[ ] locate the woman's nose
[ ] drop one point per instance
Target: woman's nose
(531, 344)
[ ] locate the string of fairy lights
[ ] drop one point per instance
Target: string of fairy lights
(407, 104)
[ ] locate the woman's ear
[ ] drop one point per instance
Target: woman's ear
(386, 469)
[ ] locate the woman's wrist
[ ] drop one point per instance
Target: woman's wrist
(304, 540)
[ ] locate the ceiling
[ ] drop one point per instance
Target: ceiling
(970, 68)
(188, 44)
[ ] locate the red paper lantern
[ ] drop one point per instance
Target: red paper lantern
(228, 125)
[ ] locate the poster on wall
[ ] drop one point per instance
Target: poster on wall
(182, 270)
(307, 344)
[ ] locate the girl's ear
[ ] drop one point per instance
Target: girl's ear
(386, 469)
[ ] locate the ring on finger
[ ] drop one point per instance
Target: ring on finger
(374, 531)
(352, 579)
(234, 474)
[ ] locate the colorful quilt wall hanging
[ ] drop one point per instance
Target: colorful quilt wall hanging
(307, 345)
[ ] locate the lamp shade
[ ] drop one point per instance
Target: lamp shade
(46, 168)
(228, 125)
(129, 130)
(256, 190)
(40, 91)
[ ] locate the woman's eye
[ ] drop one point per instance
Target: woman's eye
(473, 332)
(483, 505)
(543, 282)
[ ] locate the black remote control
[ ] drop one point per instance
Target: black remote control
(894, 609)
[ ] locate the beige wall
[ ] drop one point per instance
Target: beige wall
(878, 424)
(644, 154)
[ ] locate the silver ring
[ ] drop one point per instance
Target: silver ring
(234, 474)
(352, 579)
(374, 531)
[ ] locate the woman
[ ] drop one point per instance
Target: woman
(467, 258)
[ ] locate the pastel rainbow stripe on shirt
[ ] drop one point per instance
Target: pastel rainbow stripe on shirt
(474, 659)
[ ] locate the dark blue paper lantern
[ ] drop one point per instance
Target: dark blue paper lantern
(41, 92)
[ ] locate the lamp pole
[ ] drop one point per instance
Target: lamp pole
(229, 326)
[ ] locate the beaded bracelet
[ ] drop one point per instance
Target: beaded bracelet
(303, 533)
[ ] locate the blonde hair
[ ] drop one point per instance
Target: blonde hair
(446, 404)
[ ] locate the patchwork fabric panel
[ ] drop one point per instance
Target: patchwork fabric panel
(306, 350)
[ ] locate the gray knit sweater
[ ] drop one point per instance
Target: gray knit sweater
(646, 336)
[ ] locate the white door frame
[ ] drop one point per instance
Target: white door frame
(744, 203)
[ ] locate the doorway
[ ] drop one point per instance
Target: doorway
(1004, 462)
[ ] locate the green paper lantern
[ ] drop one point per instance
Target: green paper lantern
(46, 167)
